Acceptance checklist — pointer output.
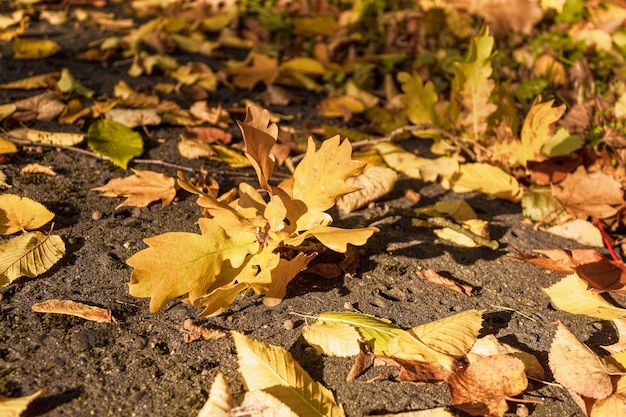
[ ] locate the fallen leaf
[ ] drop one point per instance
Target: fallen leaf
(483, 387)
(489, 346)
(194, 149)
(413, 370)
(580, 231)
(135, 117)
(35, 82)
(586, 194)
(359, 363)
(21, 213)
(419, 98)
(263, 404)
(476, 226)
(273, 370)
(36, 169)
(220, 401)
(73, 308)
(208, 135)
(374, 183)
(577, 367)
(141, 189)
(285, 271)
(342, 106)
(193, 332)
(332, 338)
(571, 294)
(67, 84)
(7, 147)
(263, 69)
(259, 136)
(14, 407)
(24, 48)
(488, 179)
(48, 138)
(433, 412)
(614, 405)
(431, 275)
(45, 107)
(560, 260)
(114, 140)
(537, 129)
(620, 345)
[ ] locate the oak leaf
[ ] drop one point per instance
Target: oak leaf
(482, 388)
(21, 213)
(141, 189)
(179, 263)
(285, 271)
(259, 136)
(273, 370)
(73, 308)
(30, 254)
(577, 367)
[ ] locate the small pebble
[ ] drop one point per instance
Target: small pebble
(288, 324)
(522, 410)
(348, 305)
(96, 215)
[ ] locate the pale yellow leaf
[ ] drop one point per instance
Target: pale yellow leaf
(487, 179)
(229, 156)
(135, 117)
(614, 405)
(478, 227)
(30, 254)
(489, 346)
(73, 308)
(374, 183)
(273, 370)
(3, 180)
(579, 230)
(141, 189)
(620, 345)
(342, 106)
(334, 238)
(37, 169)
(194, 149)
(572, 294)
(35, 82)
(47, 138)
(14, 407)
(335, 339)
(220, 401)
(262, 404)
(21, 213)
(577, 367)
(218, 300)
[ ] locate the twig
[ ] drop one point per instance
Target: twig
(437, 222)
(607, 241)
(515, 311)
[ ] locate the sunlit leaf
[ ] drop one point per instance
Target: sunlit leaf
(419, 97)
(374, 183)
(30, 255)
(220, 401)
(141, 189)
(14, 407)
(332, 338)
(25, 48)
(273, 370)
(488, 179)
(21, 213)
(73, 308)
(115, 141)
(334, 238)
(48, 138)
(67, 83)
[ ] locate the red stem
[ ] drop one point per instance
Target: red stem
(607, 241)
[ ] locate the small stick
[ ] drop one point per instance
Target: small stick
(607, 241)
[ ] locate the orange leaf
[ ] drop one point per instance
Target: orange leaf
(141, 189)
(72, 308)
(431, 275)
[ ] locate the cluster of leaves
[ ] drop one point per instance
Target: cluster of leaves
(248, 243)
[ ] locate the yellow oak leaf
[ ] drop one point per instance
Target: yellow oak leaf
(21, 213)
(334, 238)
(141, 189)
(259, 136)
(320, 178)
(179, 263)
(285, 271)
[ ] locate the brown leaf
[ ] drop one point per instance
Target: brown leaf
(141, 189)
(413, 370)
(359, 363)
(432, 276)
(208, 135)
(604, 276)
(481, 388)
(552, 170)
(586, 194)
(577, 367)
(73, 308)
(193, 332)
(44, 106)
(263, 69)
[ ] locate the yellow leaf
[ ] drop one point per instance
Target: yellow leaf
(285, 271)
(34, 48)
(320, 178)
(218, 300)
(48, 138)
(537, 129)
(264, 69)
(374, 183)
(229, 156)
(263, 404)
(415, 166)
(30, 254)
(177, 263)
(487, 179)
(259, 136)
(141, 189)
(21, 213)
(220, 400)
(7, 147)
(67, 83)
(334, 238)
(577, 367)
(614, 405)
(304, 65)
(572, 294)
(73, 308)
(336, 339)
(476, 226)
(37, 169)
(341, 106)
(14, 407)
(5, 111)
(419, 97)
(273, 370)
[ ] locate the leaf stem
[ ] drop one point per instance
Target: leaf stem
(607, 241)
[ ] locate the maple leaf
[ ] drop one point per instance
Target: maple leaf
(586, 194)
(482, 388)
(141, 189)
(178, 263)
(320, 178)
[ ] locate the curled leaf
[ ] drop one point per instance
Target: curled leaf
(73, 308)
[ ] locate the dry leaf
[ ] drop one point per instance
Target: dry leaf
(431, 275)
(37, 169)
(374, 183)
(614, 405)
(488, 179)
(481, 389)
(25, 48)
(579, 230)
(433, 412)
(193, 332)
(577, 367)
(14, 407)
(141, 189)
(490, 346)
(476, 226)
(264, 69)
(220, 401)
(45, 106)
(48, 138)
(414, 370)
(135, 117)
(194, 149)
(73, 308)
(208, 135)
(30, 254)
(586, 194)
(620, 345)
(21, 213)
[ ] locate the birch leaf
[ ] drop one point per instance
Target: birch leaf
(177, 263)
(376, 332)
(273, 370)
(30, 254)
(220, 401)
(335, 339)
(141, 189)
(572, 294)
(14, 407)
(21, 213)
(73, 308)
(114, 140)
(577, 367)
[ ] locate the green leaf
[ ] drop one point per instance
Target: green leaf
(572, 294)
(115, 141)
(177, 263)
(273, 370)
(375, 331)
(67, 83)
(562, 143)
(29, 255)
